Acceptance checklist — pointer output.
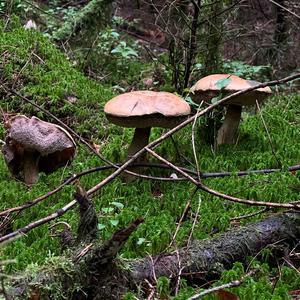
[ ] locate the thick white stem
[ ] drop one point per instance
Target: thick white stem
(139, 141)
(31, 169)
(227, 134)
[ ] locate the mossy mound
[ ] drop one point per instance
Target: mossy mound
(33, 66)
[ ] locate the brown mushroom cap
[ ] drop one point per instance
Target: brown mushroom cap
(205, 89)
(52, 146)
(146, 109)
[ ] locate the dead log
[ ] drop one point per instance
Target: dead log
(102, 277)
(209, 258)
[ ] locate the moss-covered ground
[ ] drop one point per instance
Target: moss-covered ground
(33, 66)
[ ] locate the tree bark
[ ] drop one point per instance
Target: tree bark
(101, 277)
(209, 258)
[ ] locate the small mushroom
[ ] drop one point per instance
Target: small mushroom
(207, 88)
(143, 110)
(33, 146)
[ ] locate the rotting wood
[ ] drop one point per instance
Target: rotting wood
(104, 277)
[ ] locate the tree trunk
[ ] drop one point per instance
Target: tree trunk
(100, 277)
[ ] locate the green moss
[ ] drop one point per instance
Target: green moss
(33, 66)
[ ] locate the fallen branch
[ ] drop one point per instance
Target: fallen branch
(205, 188)
(74, 177)
(208, 258)
(100, 276)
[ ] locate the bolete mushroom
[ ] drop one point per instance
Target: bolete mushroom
(33, 146)
(211, 86)
(143, 110)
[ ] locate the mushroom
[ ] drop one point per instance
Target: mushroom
(33, 146)
(208, 87)
(143, 110)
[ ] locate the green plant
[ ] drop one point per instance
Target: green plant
(246, 71)
(123, 50)
(163, 287)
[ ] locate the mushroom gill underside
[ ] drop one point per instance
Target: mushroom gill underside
(25, 164)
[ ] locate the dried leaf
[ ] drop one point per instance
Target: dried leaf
(225, 295)
(295, 293)
(96, 147)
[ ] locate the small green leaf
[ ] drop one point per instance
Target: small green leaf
(114, 222)
(198, 66)
(191, 102)
(118, 204)
(222, 83)
(101, 226)
(107, 210)
(216, 99)
(141, 241)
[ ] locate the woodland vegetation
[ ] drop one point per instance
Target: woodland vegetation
(197, 219)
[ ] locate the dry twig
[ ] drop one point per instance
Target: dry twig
(224, 286)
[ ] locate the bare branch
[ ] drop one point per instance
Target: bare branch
(224, 286)
(221, 195)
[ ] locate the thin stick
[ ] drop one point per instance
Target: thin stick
(250, 215)
(71, 180)
(221, 195)
(195, 221)
(179, 273)
(22, 231)
(194, 146)
(149, 165)
(224, 286)
(185, 211)
(286, 9)
(268, 134)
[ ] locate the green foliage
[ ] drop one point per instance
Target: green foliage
(246, 71)
(94, 15)
(261, 286)
(124, 51)
(163, 286)
(50, 81)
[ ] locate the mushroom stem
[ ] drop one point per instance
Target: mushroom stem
(139, 141)
(31, 169)
(227, 134)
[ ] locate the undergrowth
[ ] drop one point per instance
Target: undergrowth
(31, 65)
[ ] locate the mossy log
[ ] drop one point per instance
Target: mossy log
(91, 18)
(209, 258)
(98, 275)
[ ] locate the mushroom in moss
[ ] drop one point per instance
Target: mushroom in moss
(143, 110)
(211, 86)
(33, 146)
